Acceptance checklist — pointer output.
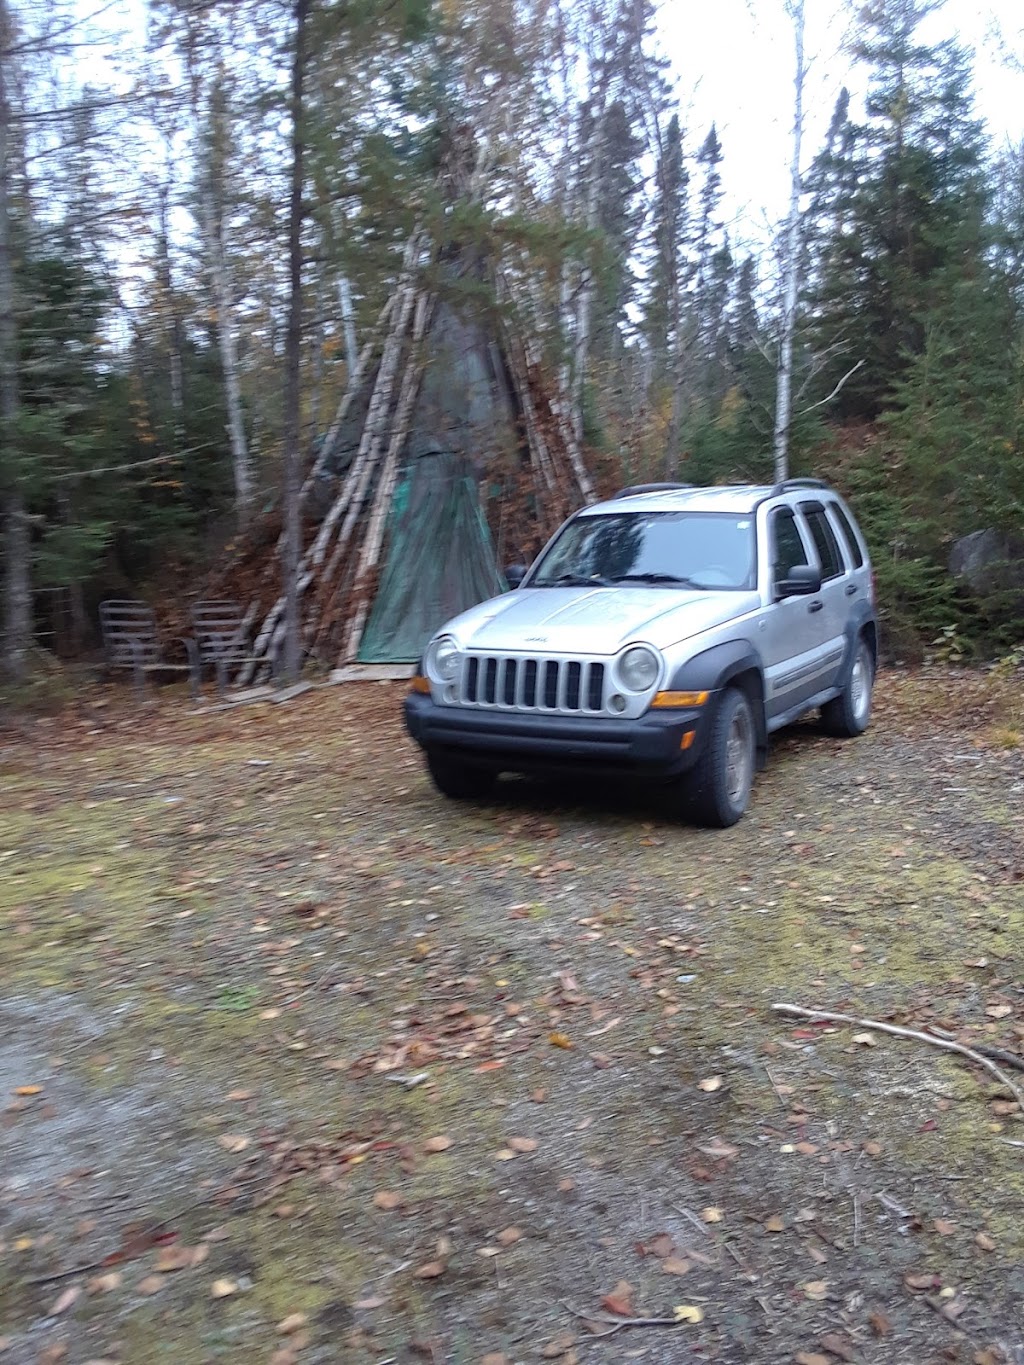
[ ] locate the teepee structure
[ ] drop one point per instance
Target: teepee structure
(449, 410)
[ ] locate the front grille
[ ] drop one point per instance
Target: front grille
(568, 686)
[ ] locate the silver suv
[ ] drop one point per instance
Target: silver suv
(663, 635)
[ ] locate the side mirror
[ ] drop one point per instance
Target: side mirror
(802, 580)
(514, 574)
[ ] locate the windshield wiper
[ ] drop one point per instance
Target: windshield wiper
(574, 580)
(656, 578)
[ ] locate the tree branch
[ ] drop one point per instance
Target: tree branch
(848, 375)
(946, 1045)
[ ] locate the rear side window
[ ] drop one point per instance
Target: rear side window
(787, 547)
(824, 540)
(849, 534)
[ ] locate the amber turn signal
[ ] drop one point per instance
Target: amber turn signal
(420, 684)
(680, 698)
(687, 739)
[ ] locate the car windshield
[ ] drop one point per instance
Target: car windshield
(703, 550)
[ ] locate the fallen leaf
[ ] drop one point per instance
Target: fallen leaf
(674, 1265)
(292, 1323)
(710, 1084)
(284, 1356)
(993, 1012)
(233, 1142)
(437, 1144)
(70, 1296)
(558, 1346)
(984, 1241)
(523, 1144)
(872, 1148)
(688, 1312)
(865, 1039)
(27, 1090)
(816, 1290)
(811, 1358)
(919, 1283)
(152, 1284)
(430, 1271)
(200, 1253)
(838, 1346)
(719, 1150)
(174, 1258)
(944, 1227)
(103, 1284)
(1004, 1106)
(566, 1184)
(375, 1301)
(563, 1040)
(776, 1223)
(620, 1300)
(505, 1154)
(494, 1358)
(509, 1236)
(223, 1289)
(661, 1245)
(880, 1324)
(712, 1215)
(387, 1200)
(240, 1094)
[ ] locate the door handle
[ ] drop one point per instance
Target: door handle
(816, 606)
(851, 588)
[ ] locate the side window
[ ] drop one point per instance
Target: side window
(786, 546)
(849, 534)
(824, 540)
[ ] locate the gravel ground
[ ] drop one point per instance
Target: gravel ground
(303, 1063)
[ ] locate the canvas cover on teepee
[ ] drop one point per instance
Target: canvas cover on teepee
(450, 453)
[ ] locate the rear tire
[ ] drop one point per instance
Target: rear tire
(717, 792)
(849, 714)
(458, 780)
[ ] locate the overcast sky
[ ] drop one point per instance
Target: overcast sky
(734, 62)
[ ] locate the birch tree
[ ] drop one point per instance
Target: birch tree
(17, 547)
(791, 255)
(292, 482)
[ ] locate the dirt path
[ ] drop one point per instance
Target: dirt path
(291, 1043)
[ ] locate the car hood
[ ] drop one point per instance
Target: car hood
(594, 620)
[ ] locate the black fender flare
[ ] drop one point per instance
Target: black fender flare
(861, 619)
(712, 670)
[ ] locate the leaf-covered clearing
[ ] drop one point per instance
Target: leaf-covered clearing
(302, 1063)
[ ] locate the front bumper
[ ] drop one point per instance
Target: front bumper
(508, 741)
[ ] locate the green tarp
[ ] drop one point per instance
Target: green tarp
(439, 560)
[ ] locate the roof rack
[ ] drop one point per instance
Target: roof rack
(637, 488)
(791, 485)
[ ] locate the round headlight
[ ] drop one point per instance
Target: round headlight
(638, 669)
(443, 659)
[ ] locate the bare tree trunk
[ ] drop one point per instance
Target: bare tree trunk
(293, 353)
(791, 260)
(173, 321)
(348, 322)
(17, 545)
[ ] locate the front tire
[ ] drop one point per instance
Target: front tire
(717, 792)
(458, 780)
(849, 714)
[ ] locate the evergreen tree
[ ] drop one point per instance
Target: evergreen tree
(898, 198)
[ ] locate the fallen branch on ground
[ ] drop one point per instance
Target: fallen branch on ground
(617, 1324)
(946, 1044)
